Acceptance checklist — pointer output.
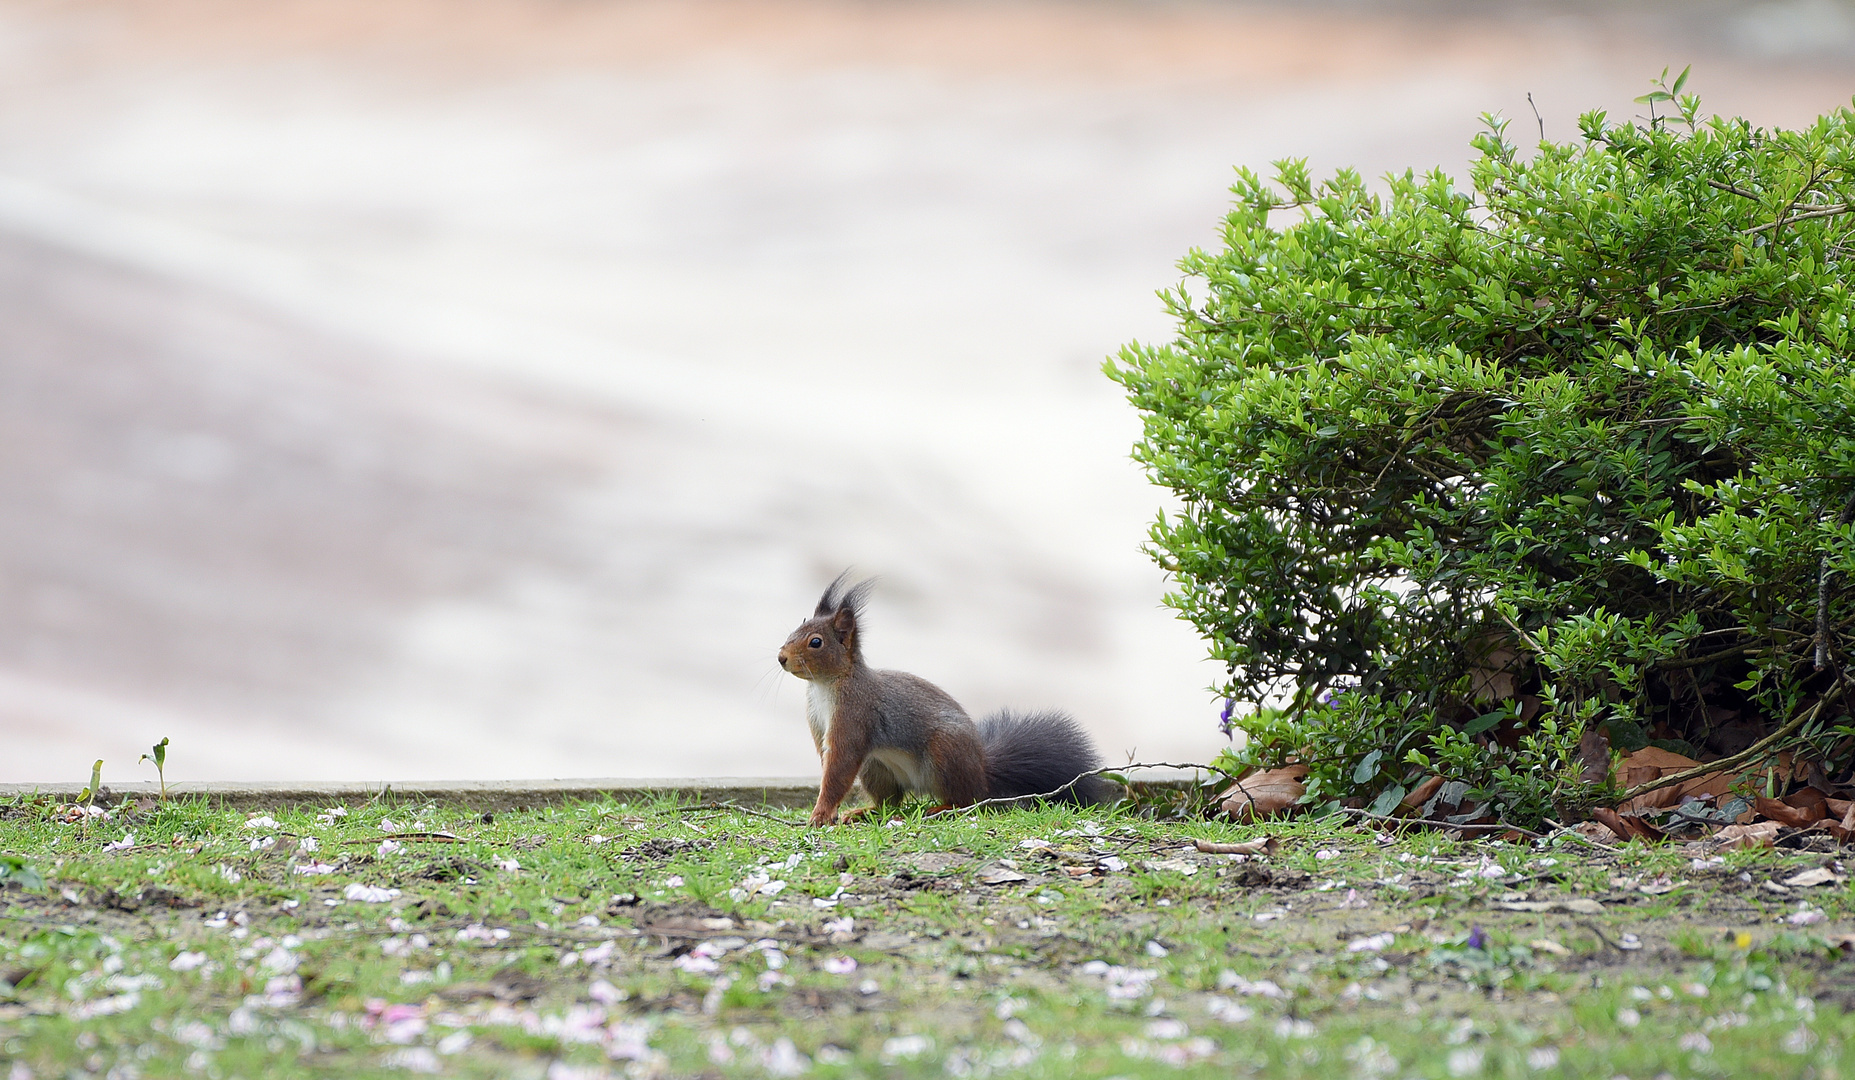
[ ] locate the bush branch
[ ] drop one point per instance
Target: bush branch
(1756, 750)
(1721, 185)
(1822, 589)
(1808, 215)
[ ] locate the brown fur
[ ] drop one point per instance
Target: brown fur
(898, 733)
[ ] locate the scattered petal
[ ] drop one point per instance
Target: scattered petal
(1373, 943)
(605, 993)
(1806, 916)
(455, 1043)
(905, 1048)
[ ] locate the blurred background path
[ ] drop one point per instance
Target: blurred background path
(484, 388)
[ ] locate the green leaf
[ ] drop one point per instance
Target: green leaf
(15, 868)
(1367, 767)
(1485, 721)
(1388, 800)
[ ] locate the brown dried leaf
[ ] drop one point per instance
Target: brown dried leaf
(1494, 676)
(1781, 811)
(1598, 831)
(1265, 845)
(1413, 803)
(1807, 799)
(1803, 879)
(1626, 826)
(1263, 793)
(1635, 769)
(1757, 834)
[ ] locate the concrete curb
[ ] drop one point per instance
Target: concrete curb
(474, 794)
(482, 795)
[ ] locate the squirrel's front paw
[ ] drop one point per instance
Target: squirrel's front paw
(822, 818)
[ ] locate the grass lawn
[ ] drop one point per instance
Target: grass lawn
(612, 939)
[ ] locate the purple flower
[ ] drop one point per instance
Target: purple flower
(1224, 722)
(1477, 938)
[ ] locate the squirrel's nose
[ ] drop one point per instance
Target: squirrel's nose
(782, 659)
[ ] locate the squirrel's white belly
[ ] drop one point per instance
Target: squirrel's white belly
(910, 770)
(820, 706)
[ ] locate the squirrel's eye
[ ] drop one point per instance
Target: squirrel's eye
(817, 642)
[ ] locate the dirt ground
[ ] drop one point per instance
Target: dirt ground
(683, 940)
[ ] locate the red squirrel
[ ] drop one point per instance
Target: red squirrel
(899, 733)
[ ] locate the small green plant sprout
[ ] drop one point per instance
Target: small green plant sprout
(1688, 105)
(159, 757)
(88, 796)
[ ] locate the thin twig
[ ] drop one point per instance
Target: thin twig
(1524, 636)
(733, 808)
(1591, 926)
(1095, 772)
(1567, 830)
(1721, 185)
(1702, 661)
(1496, 826)
(434, 837)
(1756, 750)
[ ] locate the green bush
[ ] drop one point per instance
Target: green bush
(1462, 474)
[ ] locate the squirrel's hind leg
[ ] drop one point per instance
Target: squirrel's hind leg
(958, 760)
(881, 785)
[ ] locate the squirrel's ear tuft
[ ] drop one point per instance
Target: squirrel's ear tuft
(837, 598)
(829, 601)
(854, 599)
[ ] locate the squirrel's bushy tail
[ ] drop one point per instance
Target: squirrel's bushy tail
(1036, 753)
